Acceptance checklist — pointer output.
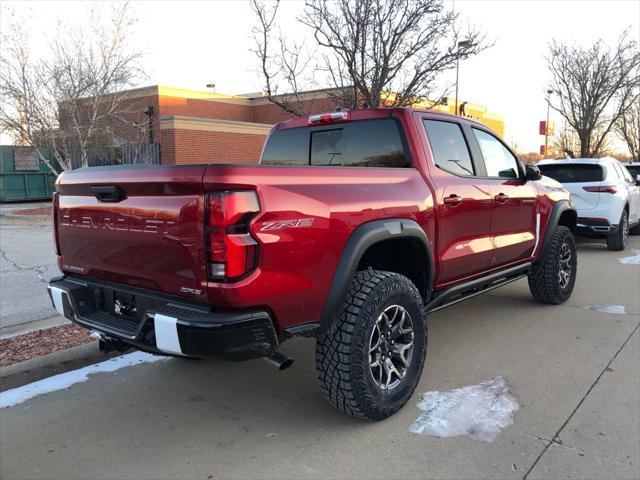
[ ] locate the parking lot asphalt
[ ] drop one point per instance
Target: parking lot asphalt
(574, 371)
(27, 262)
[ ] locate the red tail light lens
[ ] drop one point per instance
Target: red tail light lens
(601, 189)
(232, 251)
(55, 206)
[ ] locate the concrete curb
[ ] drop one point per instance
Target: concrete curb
(74, 353)
(11, 331)
(54, 363)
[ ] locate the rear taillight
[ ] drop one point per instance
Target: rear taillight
(325, 118)
(54, 207)
(601, 189)
(232, 251)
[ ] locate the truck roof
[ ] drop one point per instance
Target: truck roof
(366, 113)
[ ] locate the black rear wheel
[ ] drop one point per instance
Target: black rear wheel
(618, 241)
(370, 360)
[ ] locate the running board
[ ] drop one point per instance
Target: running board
(476, 287)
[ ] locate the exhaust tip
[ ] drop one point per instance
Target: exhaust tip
(286, 364)
(279, 360)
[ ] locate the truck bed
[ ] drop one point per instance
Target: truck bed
(154, 237)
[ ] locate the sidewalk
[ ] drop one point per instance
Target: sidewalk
(12, 206)
(7, 207)
(36, 212)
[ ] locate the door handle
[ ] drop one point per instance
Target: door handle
(501, 198)
(453, 200)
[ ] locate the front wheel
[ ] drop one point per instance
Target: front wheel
(618, 241)
(552, 278)
(370, 360)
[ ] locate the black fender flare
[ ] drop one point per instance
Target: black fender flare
(359, 241)
(559, 208)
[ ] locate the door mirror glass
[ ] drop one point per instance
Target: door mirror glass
(638, 179)
(532, 172)
(508, 173)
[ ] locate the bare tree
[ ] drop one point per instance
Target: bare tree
(283, 67)
(530, 157)
(68, 99)
(566, 143)
(628, 128)
(370, 53)
(594, 88)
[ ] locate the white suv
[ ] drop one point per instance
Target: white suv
(604, 192)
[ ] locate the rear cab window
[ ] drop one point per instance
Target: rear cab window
(574, 172)
(361, 143)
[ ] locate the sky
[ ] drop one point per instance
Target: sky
(192, 43)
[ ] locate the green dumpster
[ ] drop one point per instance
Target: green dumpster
(23, 176)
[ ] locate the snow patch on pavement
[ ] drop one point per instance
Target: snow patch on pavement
(479, 411)
(634, 260)
(67, 379)
(613, 309)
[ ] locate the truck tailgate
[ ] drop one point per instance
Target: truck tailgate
(135, 225)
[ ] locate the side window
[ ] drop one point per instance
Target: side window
(627, 174)
(634, 170)
(450, 151)
(287, 147)
(498, 160)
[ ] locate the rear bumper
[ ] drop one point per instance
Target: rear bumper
(595, 227)
(162, 323)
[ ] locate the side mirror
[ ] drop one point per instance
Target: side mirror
(532, 172)
(638, 180)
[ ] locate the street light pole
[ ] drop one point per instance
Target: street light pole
(463, 44)
(546, 125)
(457, 73)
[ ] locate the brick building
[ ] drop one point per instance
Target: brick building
(202, 127)
(207, 127)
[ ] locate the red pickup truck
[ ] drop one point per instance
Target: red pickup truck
(353, 228)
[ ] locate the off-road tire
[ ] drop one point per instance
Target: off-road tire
(635, 230)
(342, 352)
(544, 277)
(618, 241)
